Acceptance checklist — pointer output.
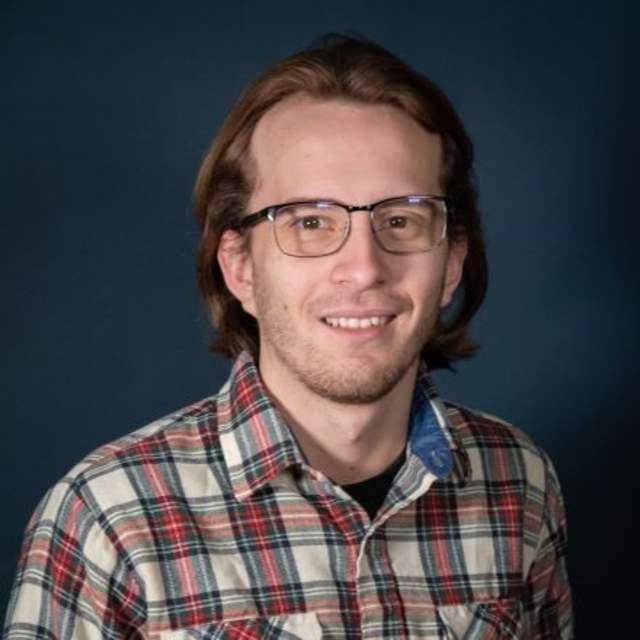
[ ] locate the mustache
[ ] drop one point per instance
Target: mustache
(364, 300)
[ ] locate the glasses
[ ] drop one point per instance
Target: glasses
(310, 229)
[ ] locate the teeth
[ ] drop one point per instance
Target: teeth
(358, 323)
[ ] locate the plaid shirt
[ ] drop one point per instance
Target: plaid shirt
(210, 524)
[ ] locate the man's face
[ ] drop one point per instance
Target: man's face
(306, 149)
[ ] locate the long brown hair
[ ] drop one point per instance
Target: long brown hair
(358, 71)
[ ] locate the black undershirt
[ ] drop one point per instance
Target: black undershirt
(372, 492)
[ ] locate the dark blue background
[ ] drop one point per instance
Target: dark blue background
(106, 112)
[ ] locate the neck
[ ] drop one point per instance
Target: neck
(347, 442)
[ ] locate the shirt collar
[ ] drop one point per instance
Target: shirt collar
(256, 443)
(258, 446)
(432, 434)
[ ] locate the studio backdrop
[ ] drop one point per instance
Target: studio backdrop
(107, 111)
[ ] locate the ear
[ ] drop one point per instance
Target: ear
(237, 269)
(453, 274)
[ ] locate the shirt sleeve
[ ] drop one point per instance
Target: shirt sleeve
(71, 580)
(547, 593)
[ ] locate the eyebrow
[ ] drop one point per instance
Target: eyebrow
(310, 199)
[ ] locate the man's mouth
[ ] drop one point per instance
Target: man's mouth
(357, 323)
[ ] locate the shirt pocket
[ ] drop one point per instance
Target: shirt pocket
(296, 626)
(491, 620)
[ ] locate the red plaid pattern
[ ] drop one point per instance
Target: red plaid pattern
(210, 524)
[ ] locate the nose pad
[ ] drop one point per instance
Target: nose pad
(360, 259)
(358, 222)
(352, 223)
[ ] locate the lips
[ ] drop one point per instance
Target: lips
(350, 322)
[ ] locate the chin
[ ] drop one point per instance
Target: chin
(357, 379)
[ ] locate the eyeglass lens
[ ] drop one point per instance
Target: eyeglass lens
(320, 228)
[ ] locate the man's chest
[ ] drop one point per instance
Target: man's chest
(282, 565)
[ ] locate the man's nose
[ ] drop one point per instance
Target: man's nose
(361, 261)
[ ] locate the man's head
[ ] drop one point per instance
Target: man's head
(347, 122)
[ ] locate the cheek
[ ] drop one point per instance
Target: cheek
(281, 287)
(425, 284)
(294, 293)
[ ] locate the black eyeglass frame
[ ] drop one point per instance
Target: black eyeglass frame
(270, 213)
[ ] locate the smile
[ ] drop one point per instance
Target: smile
(358, 323)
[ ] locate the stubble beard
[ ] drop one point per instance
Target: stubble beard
(360, 379)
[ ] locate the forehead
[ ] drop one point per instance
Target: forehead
(306, 147)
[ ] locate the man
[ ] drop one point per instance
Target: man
(326, 491)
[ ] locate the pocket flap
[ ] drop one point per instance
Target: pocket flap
(482, 620)
(295, 626)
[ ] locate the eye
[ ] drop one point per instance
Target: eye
(397, 222)
(310, 223)
(311, 219)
